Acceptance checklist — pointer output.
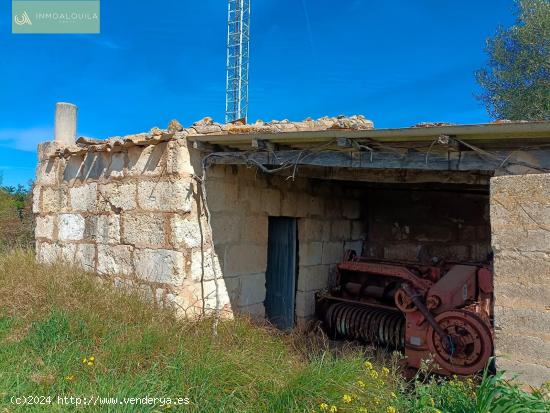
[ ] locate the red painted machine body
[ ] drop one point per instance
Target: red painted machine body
(439, 312)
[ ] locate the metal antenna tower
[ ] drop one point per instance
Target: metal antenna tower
(238, 41)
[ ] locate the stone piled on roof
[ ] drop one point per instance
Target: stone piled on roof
(207, 127)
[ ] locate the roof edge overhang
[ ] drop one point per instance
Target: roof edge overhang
(488, 132)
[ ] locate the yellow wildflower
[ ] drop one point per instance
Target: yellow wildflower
(333, 409)
(385, 371)
(323, 407)
(90, 363)
(374, 374)
(391, 409)
(84, 360)
(376, 401)
(393, 395)
(368, 365)
(346, 398)
(92, 359)
(70, 377)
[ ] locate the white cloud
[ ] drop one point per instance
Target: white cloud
(109, 44)
(100, 40)
(25, 139)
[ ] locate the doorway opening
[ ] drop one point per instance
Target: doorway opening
(281, 272)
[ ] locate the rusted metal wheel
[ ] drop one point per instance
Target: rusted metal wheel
(471, 343)
(404, 302)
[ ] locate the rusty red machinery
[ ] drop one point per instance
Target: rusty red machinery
(441, 312)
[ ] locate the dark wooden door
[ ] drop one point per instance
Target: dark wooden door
(281, 272)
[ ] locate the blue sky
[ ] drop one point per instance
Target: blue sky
(396, 62)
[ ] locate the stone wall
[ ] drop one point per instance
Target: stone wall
(520, 224)
(137, 215)
(130, 214)
(132, 210)
(241, 199)
(417, 225)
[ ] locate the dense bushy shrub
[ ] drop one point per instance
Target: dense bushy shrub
(16, 220)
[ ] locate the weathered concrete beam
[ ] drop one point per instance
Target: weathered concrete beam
(263, 145)
(203, 147)
(475, 180)
(521, 161)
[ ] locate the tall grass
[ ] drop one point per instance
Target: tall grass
(54, 317)
(64, 333)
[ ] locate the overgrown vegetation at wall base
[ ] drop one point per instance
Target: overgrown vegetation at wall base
(64, 334)
(16, 228)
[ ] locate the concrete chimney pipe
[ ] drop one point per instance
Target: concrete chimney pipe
(65, 123)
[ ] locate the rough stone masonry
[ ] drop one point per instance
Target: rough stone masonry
(520, 222)
(132, 208)
(135, 209)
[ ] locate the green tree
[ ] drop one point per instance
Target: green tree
(516, 81)
(16, 220)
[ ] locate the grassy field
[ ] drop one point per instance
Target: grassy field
(64, 334)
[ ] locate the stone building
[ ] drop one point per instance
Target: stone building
(192, 215)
